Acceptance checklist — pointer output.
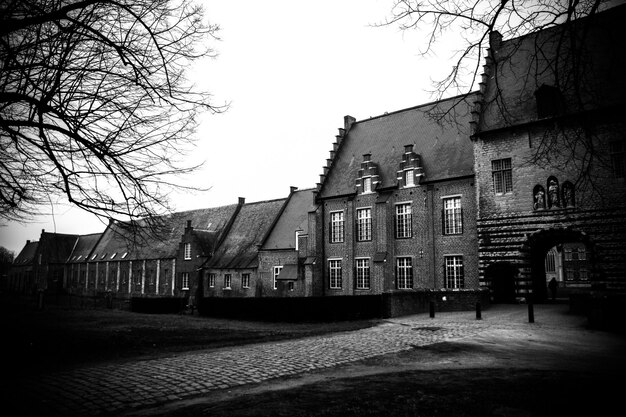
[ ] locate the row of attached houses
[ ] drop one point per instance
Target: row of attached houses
(450, 195)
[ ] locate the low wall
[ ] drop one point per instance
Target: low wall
(342, 307)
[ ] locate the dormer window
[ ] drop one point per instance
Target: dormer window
(94, 256)
(114, 255)
(410, 169)
(124, 255)
(367, 176)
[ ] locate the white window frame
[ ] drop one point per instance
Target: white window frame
(187, 251)
(364, 224)
(404, 273)
(228, 281)
(409, 177)
(212, 278)
(452, 216)
(363, 273)
(404, 220)
(245, 280)
(276, 271)
(335, 279)
(185, 280)
(454, 273)
(367, 185)
(337, 226)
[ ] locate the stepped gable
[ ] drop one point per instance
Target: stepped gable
(83, 247)
(240, 247)
(294, 217)
(56, 248)
(519, 71)
(438, 131)
(162, 242)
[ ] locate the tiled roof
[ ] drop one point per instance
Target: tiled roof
(27, 254)
(161, 243)
(240, 247)
(294, 217)
(83, 247)
(444, 145)
(526, 63)
(56, 247)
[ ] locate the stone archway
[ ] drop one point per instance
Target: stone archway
(537, 246)
(501, 276)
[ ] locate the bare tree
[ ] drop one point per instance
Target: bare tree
(565, 53)
(94, 103)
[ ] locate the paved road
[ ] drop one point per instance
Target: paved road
(113, 389)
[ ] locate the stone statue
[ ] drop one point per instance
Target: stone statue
(553, 193)
(539, 200)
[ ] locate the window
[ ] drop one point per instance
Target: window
(618, 159)
(364, 224)
(185, 279)
(454, 272)
(227, 281)
(290, 285)
(582, 274)
(409, 178)
(336, 227)
(187, 251)
(114, 255)
(502, 176)
(124, 255)
(452, 216)
(550, 262)
(363, 274)
(277, 270)
(245, 280)
(404, 273)
(211, 280)
(367, 185)
(334, 273)
(403, 220)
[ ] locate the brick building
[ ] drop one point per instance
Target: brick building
(397, 203)
(549, 102)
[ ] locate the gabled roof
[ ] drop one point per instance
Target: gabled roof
(56, 247)
(83, 247)
(443, 143)
(27, 254)
(590, 74)
(162, 242)
(240, 248)
(294, 217)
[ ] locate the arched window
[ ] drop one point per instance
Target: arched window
(554, 196)
(539, 198)
(567, 196)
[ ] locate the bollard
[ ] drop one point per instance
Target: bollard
(478, 312)
(432, 309)
(531, 312)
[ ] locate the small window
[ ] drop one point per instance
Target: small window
(124, 255)
(276, 272)
(187, 251)
(502, 175)
(245, 280)
(103, 256)
(185, 280)
(211, 280)
(227, 281)
(404, 273)
(92, 258)
(336, 227)
(367, 185)
(290, 285)
(334, 274)
(618, 158)
(403, 221)
(454, 272)
(114, 255)
(409, 178)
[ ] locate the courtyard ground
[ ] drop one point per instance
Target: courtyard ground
(509, 367)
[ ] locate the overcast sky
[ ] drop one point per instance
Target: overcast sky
(291, 71)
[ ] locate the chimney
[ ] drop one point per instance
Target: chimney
(367, 157)
(292, 189)
(348, 121)
(495, 39)
(27, 242)
(408, 148)
(242, 201)
(188, 224)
